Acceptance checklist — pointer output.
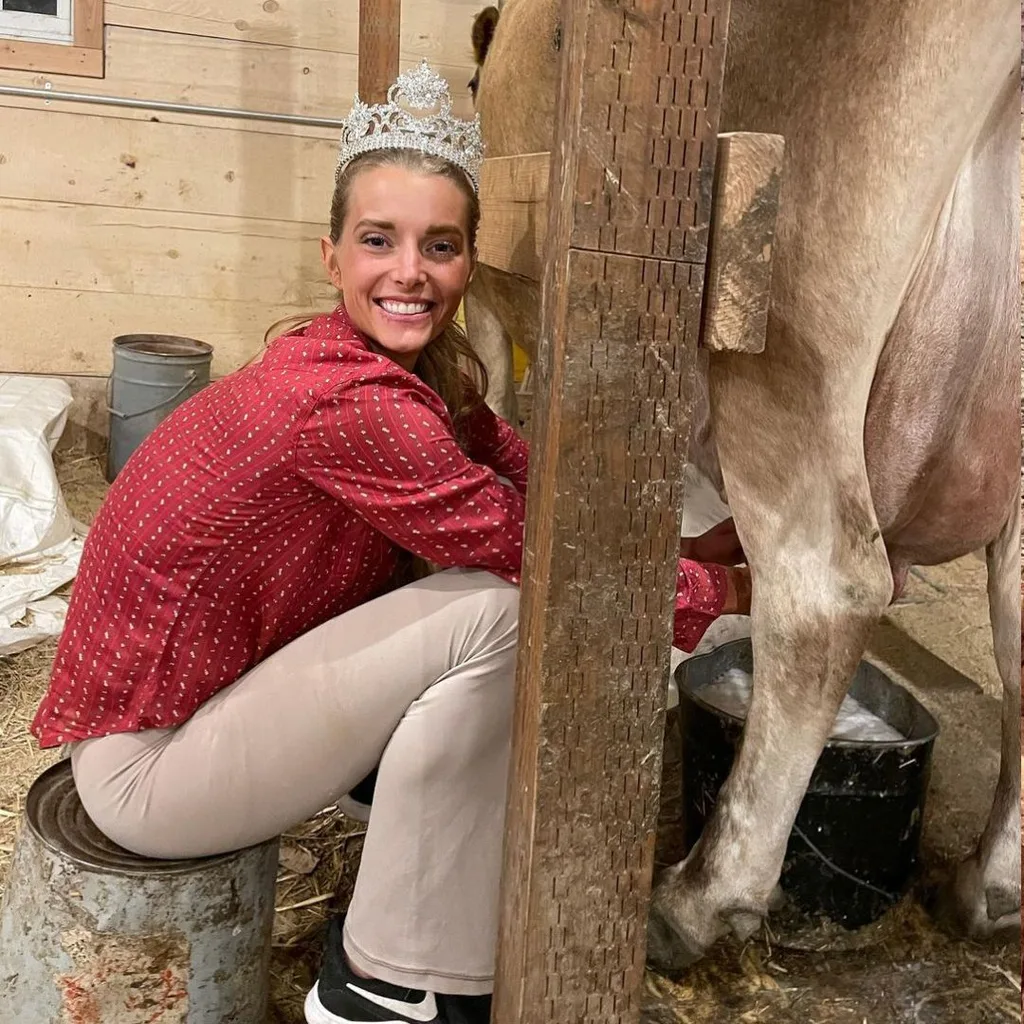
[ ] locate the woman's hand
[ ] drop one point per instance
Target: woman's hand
(719, 545)
(738, 591)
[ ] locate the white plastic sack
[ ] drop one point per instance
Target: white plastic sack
(39, 547)
(41, 620)
(702, 507)
(33, 516)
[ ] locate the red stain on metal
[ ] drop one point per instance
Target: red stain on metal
(125, 979)
(171, 996)
(77, 1002)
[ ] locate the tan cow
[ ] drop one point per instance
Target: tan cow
(880, 428)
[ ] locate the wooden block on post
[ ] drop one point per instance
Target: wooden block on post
(380, 23)
(630, 197)
(746, 207)
(514, 196)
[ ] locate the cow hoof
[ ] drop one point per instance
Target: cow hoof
(981, 912)
(682, 927)
(669, 948)
(743, 924)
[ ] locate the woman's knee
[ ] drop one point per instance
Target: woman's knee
(503, 603)
(494, 604)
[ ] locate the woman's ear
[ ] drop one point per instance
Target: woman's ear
(329, 255)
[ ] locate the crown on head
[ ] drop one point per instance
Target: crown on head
(390, 126)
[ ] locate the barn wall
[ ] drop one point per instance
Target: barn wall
(121, 221)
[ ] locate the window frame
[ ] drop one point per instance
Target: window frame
(82, 56)
(39, 27)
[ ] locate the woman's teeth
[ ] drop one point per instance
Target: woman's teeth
(404, 308)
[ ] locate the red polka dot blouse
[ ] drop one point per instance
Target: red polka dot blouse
(276, 498)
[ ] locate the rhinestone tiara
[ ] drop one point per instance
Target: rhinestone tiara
(390, 126)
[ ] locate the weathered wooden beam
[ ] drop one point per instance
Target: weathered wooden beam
(380, 24)
(512, 236)
(745, 208)
(514, 201)
(629, 202)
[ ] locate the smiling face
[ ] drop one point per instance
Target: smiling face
(403, 257)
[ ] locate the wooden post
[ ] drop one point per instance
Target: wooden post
(380, 23)
(630, 203)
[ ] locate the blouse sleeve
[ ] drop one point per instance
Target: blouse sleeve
(394, 460)
(492, 441)
(700, 597)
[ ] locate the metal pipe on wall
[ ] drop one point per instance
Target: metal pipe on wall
(171, 108)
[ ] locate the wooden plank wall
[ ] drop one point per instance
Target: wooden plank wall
(121, 221)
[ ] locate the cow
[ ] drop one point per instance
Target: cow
(880, 427)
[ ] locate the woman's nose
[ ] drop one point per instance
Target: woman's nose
(409, 268)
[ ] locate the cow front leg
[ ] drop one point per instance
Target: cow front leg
(984, 898)
(821, 581)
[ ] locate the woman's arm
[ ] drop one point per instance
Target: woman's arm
(391, 457)
(720, 544)
(704, 592)
(492, 441)
(395, 461)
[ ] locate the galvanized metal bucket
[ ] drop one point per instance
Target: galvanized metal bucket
(151, 376)
(92, 932)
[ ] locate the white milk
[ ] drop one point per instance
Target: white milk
(731, 692)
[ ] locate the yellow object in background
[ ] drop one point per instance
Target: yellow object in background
(520, 360)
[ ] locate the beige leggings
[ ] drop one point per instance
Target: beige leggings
(421, 681)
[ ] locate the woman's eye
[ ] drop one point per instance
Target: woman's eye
(445, 248)
(375, 241)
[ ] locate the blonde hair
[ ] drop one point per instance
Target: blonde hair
(448, 365)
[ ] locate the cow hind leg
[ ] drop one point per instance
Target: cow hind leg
(821, 581)
(984, 897)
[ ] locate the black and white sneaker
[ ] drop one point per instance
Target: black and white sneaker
(342, 997)
(357, 802)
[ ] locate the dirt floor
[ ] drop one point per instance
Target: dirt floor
(936, 641)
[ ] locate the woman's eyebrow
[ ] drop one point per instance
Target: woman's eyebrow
(387, 225)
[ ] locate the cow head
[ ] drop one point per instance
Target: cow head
(484, 25)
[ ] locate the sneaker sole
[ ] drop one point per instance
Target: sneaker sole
(354, 809)
(316, 1013)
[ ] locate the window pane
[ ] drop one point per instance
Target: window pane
(32, 6)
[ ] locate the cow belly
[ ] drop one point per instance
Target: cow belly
(942, 439)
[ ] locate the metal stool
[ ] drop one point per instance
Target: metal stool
(91, 932)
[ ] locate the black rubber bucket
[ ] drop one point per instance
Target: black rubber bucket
(853, 851)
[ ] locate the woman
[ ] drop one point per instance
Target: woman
(233, 660)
